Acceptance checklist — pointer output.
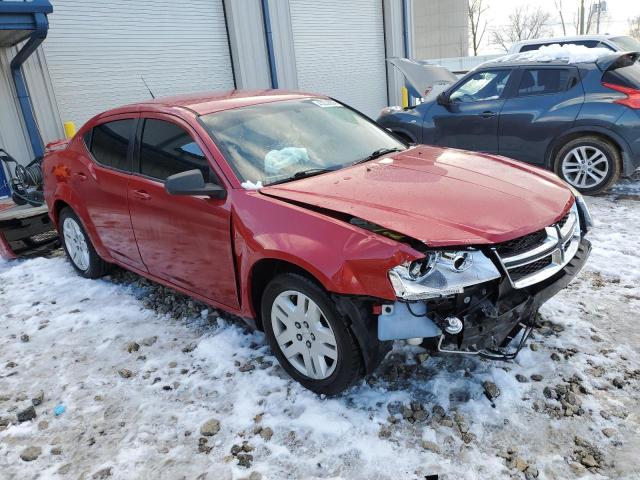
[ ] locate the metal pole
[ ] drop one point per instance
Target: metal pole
(581, 17)
(599, 5)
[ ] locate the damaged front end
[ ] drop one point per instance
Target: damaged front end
(477, 300)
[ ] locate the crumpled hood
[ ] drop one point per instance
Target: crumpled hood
(439, 196)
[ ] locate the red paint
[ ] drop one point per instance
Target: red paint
(5, 249)
(207, 248)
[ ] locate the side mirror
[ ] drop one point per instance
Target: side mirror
(443, 99)
(191, 182)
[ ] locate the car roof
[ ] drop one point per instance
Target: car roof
(204, 103)
(531, 63)
(575, 38)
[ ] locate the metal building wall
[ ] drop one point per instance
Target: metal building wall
(13, 134)
(97, 52)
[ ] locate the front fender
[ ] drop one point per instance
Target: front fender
(343, 258)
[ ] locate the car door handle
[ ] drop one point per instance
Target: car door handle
(81, 176)
(488, 114)
(141, 195)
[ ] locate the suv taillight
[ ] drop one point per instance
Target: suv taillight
(632, 99)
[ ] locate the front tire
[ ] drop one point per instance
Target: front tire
(308, 336)
(78, 247)
(589, 164)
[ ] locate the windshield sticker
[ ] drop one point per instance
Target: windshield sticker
(325, 103)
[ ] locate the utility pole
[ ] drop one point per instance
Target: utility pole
(599, 5)
(581, 17)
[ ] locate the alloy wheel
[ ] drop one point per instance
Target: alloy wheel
(304, 335)
(76, 243)
(585, 166)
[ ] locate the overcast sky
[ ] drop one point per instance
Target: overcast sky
(615, 21)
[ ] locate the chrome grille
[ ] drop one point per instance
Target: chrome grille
(537, 256)
(522, 243)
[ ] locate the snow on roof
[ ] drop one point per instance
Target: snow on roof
(568, 53)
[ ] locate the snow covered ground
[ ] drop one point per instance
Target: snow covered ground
(137, 386)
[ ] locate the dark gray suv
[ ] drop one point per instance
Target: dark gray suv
(581, 120)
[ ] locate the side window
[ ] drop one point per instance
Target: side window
(167, 149)
(109, 143)
(481, 86)
(543, 81)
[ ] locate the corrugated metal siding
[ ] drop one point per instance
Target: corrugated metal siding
(339, 48)
(97, 52)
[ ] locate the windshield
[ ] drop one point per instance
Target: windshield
(627, 44)
(272, 142)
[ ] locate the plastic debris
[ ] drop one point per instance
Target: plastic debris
(59, 410)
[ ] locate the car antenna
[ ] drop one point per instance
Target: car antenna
(145, 84)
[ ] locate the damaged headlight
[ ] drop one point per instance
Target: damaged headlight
(441, 273)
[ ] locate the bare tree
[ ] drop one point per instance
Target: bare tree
(478, 26)
(524, 24)
(634, 27)
(558, 4)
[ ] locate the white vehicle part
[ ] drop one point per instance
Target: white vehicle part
(427, 79)
(403, 321)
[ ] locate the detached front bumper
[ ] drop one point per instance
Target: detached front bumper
(491, 313)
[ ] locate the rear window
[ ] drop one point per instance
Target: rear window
(624, 72)
(541, 81)
(110, 144)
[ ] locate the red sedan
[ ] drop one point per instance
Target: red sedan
(317, 226)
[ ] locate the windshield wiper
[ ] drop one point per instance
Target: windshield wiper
(377, 154)
(310, 172)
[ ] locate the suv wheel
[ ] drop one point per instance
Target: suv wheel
(78, 246)
(308, 336)
(589, 164)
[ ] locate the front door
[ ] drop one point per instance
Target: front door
(102, 185)
(470, 118)
(185, 240)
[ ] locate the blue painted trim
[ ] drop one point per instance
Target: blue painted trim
(266, 18)
(4, 187)
(37, 37)
(407, 50)
(32, 6)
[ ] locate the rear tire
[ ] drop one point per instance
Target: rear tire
(78, 247)
(589, 164)
(308, 336)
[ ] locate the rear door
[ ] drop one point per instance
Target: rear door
(102, 185)
(470, 119)
(544, 104)
(185, 240)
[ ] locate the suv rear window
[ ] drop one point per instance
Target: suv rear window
(624, 72)
(541, 81)
(110, 144)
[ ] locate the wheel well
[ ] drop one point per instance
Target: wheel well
(57, 208)
(560, 142)
(261, 274)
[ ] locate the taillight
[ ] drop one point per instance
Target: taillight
(632, 99)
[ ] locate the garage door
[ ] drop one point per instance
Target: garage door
(98, 52)
(339, 48)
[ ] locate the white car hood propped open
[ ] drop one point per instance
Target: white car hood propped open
(427, 79)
